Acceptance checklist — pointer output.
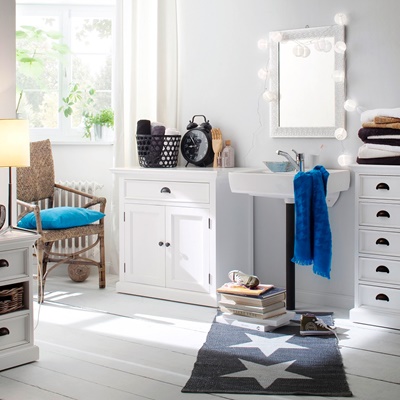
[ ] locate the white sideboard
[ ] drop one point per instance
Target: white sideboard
(181, 230)
(16, 327)
(377, 262)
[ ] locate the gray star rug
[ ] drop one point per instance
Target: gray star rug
(244, 361)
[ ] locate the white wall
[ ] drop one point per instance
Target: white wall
(218, 62)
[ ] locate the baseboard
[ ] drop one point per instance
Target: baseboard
(325, 299)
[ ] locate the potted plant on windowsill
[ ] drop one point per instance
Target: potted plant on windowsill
(104, 118)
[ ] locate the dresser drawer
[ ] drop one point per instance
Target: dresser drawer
(14, 331)
(379, 242)
(379, 214)
(380, 297)
(167, 191)
(379, 270)
(13, 263)
(380, 187)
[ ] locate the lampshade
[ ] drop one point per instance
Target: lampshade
(14, 143)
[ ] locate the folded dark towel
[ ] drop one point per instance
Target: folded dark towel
(365, 133)
(380, 160)
(313, 238)
(143, 127)
(158, 130)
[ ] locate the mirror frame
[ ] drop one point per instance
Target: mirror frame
(335, 31)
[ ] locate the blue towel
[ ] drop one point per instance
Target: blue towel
(313, 237)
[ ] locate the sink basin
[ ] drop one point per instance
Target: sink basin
(263, 183)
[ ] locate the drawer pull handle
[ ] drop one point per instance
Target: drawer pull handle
(382, 268)
(167, 244)
(382, 185)
(165, 190)
(4, 263)
(382, 297)
(4, 331)
(382, 241)
(161, 244)
(383, 213)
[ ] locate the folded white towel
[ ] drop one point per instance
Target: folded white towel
(172, 131)
(369, 115)
(369, 150)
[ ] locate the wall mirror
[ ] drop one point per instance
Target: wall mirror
(307, 77)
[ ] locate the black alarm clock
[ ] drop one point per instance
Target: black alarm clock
(196, 144)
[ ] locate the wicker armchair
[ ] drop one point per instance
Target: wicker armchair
(36, 189)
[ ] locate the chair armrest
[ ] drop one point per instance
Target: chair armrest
(27, 207)
(94, 199)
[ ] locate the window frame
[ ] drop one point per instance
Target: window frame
(65, 132)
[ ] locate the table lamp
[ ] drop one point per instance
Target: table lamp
(14, 152)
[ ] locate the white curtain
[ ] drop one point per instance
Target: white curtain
(145, 79)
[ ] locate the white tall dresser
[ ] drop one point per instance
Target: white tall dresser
(377, 256)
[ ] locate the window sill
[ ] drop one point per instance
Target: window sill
(78, 143)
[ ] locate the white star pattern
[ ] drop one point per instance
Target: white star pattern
(266, 375)
(269, 345)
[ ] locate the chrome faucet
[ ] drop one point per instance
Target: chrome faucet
(298, 164)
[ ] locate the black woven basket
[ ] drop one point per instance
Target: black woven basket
(158, 151)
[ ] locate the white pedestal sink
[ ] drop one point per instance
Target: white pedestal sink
(263, 183)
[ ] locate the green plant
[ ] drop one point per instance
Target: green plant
(35, 49)
(104, 118)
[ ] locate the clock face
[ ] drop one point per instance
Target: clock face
(195, 146)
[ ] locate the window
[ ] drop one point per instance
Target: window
(64, 67)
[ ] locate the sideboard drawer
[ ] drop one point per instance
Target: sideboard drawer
(379, 242)
(380, 297)
(379, 270)
(168, 191)
(380, 187)
(14, 331)
(13, 263)
(380, 215)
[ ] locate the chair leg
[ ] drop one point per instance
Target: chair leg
(41, 270)
(102, 267)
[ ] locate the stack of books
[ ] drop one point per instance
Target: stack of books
(261, 309)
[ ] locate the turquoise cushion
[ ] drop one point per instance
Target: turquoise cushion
(61, 218)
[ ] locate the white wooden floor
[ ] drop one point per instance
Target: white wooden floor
(99, 344)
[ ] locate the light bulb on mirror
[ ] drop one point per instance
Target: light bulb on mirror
(340, 134)
(269, 96)
(340, 47)
(262, 44)
(298, 50)
(323, 45)
(350, 105)
(341, 19)
(345, 160)
(263, 73)
(276, 36)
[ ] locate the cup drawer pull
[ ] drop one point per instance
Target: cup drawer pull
(382, 213)
(165, 190)
(4, 263)
(382, 186)
(4, 331)
(382, 297)
(382, 241)
(382, 268)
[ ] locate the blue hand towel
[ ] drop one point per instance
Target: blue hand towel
(313, 237)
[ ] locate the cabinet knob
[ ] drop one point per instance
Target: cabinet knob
(165, 190)
(383, 213)
(167, 244)
(382, 241)
(4, 263)
(4, 331)
(382, 268)
(161, 244)
(382, 297)
(382, 186)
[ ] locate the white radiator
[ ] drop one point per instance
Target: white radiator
(62, 199)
